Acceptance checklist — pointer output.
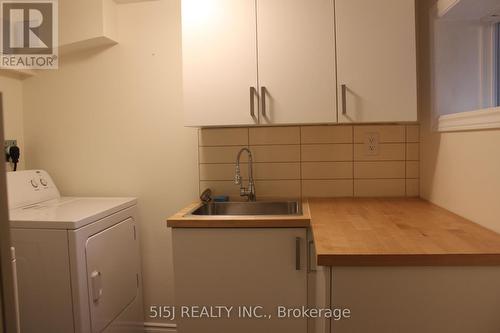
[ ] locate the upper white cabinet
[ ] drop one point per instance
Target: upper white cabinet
(376, 60)
(248, 62)
(219, 54)
(296, 54)
(287, 44)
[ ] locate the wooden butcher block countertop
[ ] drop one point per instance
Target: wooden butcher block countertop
(397, 232)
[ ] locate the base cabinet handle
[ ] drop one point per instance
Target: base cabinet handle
(297, 253)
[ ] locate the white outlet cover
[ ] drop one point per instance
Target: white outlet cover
(372, 140)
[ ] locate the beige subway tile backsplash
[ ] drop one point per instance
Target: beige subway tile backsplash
(412, 169)
(327, 170)
(225, 187)
(386, 133)
(326, 134)
(379, 188)
(283, 171)
(221, 171)
(223, 137)
(412, 187)
(225, 154)
(386, 152)
(327, 188)
(412, 133)
(327, 152)
(278, 188)
(313, 161)
(413, 151)
(376, 170)
(278, 153)
(274, 135)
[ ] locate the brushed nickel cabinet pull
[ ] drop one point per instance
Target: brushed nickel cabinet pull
(253, 92)
(311, 257)
(344, 99)
(263, 91)
(297, 253)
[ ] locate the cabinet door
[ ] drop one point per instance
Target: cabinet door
(376, 60)
(219, 61)
(296, 48)
(240, 267)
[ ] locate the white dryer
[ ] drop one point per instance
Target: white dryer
(78, 259)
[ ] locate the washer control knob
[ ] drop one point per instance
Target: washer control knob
(43, 181)
(34, 183)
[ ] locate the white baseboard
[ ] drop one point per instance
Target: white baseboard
(159, 328)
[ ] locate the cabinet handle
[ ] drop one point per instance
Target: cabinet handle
(344, 99)
(253, 92)
(297, 253)
(311, 257)
(263, 91)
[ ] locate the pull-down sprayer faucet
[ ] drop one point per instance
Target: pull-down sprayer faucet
(250, 191)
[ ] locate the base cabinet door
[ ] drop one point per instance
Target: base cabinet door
(253, 272)
(318, 291)
(417, 299)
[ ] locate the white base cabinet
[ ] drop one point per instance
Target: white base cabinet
(417, 299)
(241, 267)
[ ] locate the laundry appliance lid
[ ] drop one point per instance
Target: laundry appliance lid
(67, 212)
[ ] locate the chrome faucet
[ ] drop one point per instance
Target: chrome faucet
(250, 191)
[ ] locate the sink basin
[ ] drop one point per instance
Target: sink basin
(250, 208)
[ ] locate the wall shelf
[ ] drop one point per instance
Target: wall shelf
(131, 1)
(86, 44)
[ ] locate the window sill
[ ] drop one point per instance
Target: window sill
(470, 121)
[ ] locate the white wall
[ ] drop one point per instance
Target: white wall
(459, 171)
(12, 95)
(109, 122)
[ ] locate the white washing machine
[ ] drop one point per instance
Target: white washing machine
(78, 259)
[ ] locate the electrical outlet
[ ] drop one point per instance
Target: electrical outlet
(372, 140)
(8, 143)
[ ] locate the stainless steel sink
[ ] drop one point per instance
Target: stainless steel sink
(250, 208)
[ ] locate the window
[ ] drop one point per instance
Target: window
(466, 68)
(497, 63)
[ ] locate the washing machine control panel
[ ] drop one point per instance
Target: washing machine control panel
(30, 187)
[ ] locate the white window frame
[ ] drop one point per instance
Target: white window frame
(485, 118)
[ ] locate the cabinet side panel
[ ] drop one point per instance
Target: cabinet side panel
(43, 280)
